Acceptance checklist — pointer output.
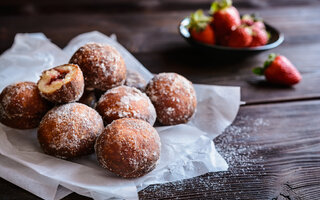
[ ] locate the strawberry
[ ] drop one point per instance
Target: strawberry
(252, 20)
(226, 18)
(260, 37)
(241, 37)
(279, 70)
(247, 20)
(205, 36)
(223, 39)
(200, 28)
(259, 24)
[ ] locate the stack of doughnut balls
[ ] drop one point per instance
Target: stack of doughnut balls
(94, 103)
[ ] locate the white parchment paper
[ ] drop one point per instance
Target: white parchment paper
(187, 149)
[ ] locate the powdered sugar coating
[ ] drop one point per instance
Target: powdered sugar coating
(69, 130)
(124, 101)
(71, 89)
(21, 106)
(173, 97)
(134, 79)
(128, 147)
(102, 65)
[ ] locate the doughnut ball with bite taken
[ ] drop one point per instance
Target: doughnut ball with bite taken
(102, 66)
(128, 147)
(173, 97)
(124, 101)
(62, 84)
(69, 130)
(21, 106)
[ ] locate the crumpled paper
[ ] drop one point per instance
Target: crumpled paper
(187, 149)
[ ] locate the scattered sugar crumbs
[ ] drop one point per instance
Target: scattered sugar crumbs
(237, 146)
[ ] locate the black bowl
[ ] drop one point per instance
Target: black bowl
(276, 38)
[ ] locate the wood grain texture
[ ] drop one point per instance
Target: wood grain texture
(34, 7)
(152, 37)
(273, 152)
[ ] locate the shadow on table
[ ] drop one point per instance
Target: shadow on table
(262, 83)
(193, 57)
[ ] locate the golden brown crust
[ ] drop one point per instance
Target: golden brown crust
(173, 97)
(102, 65)
(124, 101)
(70, 91)
(69, 130)
(128, 147)
(21, 106)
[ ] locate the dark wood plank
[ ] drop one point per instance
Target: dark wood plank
(36, 7)
(238, 72)
(273, 152)
(152, 32)
(153, 39)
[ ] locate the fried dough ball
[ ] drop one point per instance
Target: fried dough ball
(62, 84)
(69, 130)
(102, 65)
(173, 97)
(124, 101)
(21, 106)
(128, 147)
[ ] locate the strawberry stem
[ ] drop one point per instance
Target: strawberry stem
(199, 21)
(247, 16)
(269, 35)
(260, 70)
(219, 5)
(270, 59)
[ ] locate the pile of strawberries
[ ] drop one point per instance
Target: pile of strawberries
(225, 27)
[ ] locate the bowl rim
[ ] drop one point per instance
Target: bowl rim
(185, 21)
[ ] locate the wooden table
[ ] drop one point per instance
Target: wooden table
(273, 146)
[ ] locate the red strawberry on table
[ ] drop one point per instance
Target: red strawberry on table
(241, 37)
(226, 18)
(279, 70)
(260, 37)
(200, 29)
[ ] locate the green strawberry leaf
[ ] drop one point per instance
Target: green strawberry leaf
(219, 5)
(247, 16)
(268, 34)
(225, 3)
(198, 21)
(214, 7)
(258, 71)
(270, 59)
